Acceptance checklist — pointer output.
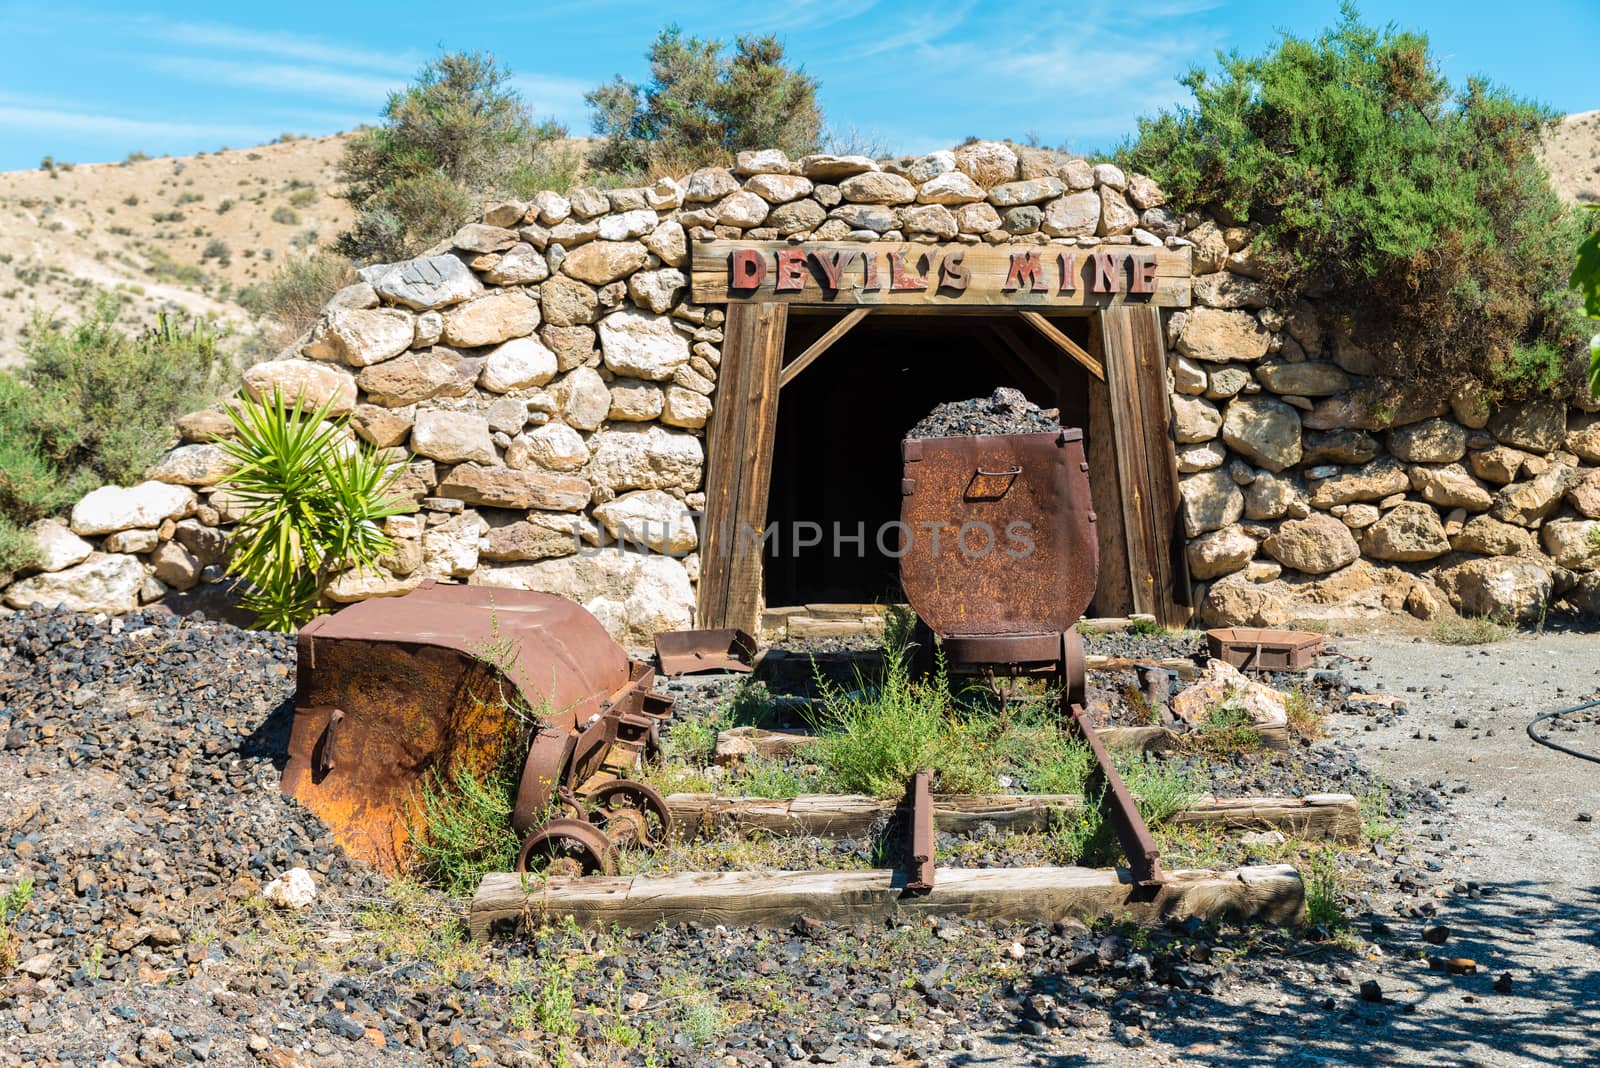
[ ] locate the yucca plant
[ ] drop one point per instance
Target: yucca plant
(315, 507)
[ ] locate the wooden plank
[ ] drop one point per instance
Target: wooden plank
(821, 345)
(1135, 362)
(1334, 816)
(1266, 893)
(739, 467)
(1041, 369)
(1074, 351)
(1113, 593)
(929, 275)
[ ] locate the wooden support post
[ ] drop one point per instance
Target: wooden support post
(1267, 894)
(821, 345)
(1053, 334)
(744, 425)
(1147, 471)
(1319, 816)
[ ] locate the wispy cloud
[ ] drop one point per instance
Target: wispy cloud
(549, 94)
(89, 123)
(283, 45)
(282, 78)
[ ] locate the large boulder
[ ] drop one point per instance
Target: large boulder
(1372, 482)
(1339, 447)
(641, 345)
(416, 376)
(1537, 426)
(1264, 430)
(423, 283)
(1487, 535)
(1500, 587)
(518, 364)
(1302, 379)
(303, 384)
(644, 456)
(1236, 603)
(1220, 552)
(1432, 441)
(1573, 543)
(600, 262)
(634, 595)
(508, 487)
(492, 318)
(987, 162)
(1219, 336)
(1583, 440)
(555, 446)
(1585, 596)
(193, 465)
(145, 506)
(1528, 503)
(1314, 545)
(1584, 493)
(105, 582)
(1211, 501)
(650, 518)
(57, 547)
(1449, 486)
(1500, 464)
(1194, 419)
(452, 437)
(535, 536)
(360, 337)
(584, 398)
(1407, 532)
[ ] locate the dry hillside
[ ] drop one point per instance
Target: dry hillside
(1572, 152)
(188, 232)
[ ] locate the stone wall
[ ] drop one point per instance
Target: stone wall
(551, 384)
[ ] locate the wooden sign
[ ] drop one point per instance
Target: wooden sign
(900, 273)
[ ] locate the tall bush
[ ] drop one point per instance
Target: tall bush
(93, 403)
(457, 135)
(705, 101)
(1422, 207)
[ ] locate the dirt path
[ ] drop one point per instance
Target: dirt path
(1512, 872)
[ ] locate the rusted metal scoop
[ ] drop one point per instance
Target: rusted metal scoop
(393, 692)
(687, 652)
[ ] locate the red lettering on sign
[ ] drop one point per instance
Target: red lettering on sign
(832, 264)
(1105, 273)
(869, 273)
(1069, 271)
(1025, 270)
(747, 269)
(1144, 274)
(900, 279)
(791, 273)
(953, 274)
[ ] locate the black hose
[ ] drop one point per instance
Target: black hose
(1542, 740)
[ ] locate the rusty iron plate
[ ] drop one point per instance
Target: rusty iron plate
(688, 652)
(919, 869)
(444, 678)
(1263, 649)
(998, 533)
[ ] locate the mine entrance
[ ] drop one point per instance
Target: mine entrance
(836, 463)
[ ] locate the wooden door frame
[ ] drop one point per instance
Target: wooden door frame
(1130, 434)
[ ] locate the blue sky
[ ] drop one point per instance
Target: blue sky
(87, 81)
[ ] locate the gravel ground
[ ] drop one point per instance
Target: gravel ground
(1005, 411)
(138, 790)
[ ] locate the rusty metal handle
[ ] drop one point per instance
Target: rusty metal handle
(1007, 473)
(324, 762)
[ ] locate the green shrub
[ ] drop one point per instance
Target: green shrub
(703, 103)
(1586, 280)
(303, 197)
(464, 829)
(315, 507)
(1374, 180)
(456, 135)
(93, 404)
(293, 297)
(17, 549)
(285, 216)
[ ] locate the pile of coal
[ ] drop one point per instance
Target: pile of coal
(1005, 411)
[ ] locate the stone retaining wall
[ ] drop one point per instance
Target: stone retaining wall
(551, 383)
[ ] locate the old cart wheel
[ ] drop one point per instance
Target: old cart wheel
(631, 813)
(568, 847)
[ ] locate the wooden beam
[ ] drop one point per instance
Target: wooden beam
(942, 275)
(1113, 594)
(1147, 471)
(821, 345)
(1318, 816)
(744, 423)
(505, 901)
(1075, 351)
